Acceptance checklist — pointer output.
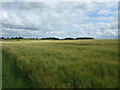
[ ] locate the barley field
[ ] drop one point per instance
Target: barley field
(60, 63)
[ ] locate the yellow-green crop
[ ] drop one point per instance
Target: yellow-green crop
(60, 64)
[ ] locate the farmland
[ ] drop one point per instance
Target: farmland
(60, 63)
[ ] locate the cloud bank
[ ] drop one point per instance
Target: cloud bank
(60, 19)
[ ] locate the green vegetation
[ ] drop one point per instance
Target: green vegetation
(60, 64)
(0, 67)
(13, 77)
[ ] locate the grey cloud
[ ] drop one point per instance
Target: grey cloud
(19, 27)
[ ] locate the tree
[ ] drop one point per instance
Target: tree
(12, 38)
(16, 37)
(21, 38)
(3, 38)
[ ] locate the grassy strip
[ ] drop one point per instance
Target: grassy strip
(12, 75)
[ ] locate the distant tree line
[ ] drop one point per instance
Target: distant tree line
(51, 38)
(11, 38)
(48, 38)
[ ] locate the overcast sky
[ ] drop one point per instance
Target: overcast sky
(60, 19)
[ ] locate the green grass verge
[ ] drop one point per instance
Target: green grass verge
(12, 76)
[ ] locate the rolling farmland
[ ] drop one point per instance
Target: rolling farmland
(60, 63)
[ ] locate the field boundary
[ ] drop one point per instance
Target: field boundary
(21, 67)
